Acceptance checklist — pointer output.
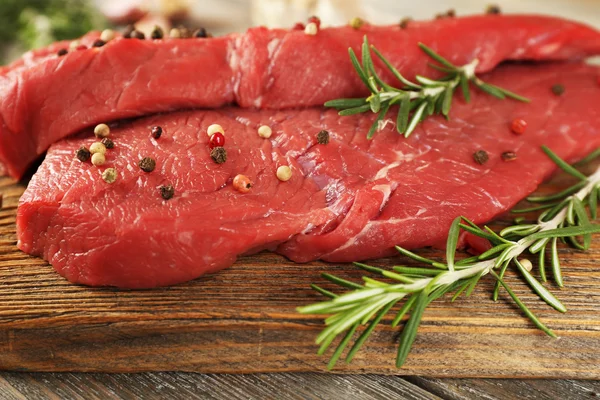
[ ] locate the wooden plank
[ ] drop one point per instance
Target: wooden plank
(190, 386)
(243, 320)
(509, 389)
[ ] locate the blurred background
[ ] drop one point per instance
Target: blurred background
(26, 24)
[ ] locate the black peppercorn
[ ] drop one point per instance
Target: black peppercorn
(480, 157)
(167, 191)
(404, 22)
(137, 35)
(128, 31)
(200, 33)
(493, 9)
(558, 89)
(99, 43)
(83, 154)
(157, 33)
(509, 156)
(147, 164)
(323, 137)
(219, 155)
(62, 52)
(108, 143)
(156, 132)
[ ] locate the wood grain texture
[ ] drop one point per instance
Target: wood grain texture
(280, 386)
(243, 320)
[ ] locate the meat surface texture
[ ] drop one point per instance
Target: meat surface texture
(44, 97)
(349, 200)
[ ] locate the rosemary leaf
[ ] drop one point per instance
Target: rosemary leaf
(402, 121)
(416, 271)
(583, 220)
(594, 202)
(489, 89)
(523, 307)
(417, 257)
(566, 231)
(496, 292)
(375, 125)
(409, 333)
(556, 196)
(403, 310)
(338, 351)
(355, 110)
(394, 71)
(375, 103)
(542, 264)
(447, 102)
(540, 290)
(359, 70)
(341, 282)
(452, 242)
(346, 103)
(437, 57)
(324, 292)
(416, 118)
(464, 86)
(556, 263)
(367, 332)
(563, 164)
(509, 94)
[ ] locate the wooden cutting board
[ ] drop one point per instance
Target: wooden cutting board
(243, 320)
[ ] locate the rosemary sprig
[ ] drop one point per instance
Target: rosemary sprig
(417, 100)
(369, 302)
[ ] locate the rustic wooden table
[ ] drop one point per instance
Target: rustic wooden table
(187, 386)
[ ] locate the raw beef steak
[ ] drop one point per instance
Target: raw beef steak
(44, 97)
(347, 200)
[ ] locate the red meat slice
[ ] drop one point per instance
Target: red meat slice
(44, 98)
(349, 200)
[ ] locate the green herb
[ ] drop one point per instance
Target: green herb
(422, 99)
(367, 304)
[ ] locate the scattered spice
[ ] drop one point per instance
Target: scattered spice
(175, 33)
(526, 264)
(101, 131)
(509, 156)
(323, 137)
(448, 14)
(157, 33)
(480, 157)
(356, 23)
(156, 132)
(265, 131)
(214, 128)
(167, 191)
(107, 35)
(128, 31)
(83, 154)
(74, 44)
(242, 183)
(109, 175)
(108, 143)
(62, 52)
(147, 164)
(493, 9)
(216, 140)
(137, 35)
(98, 43)
(558, 89)
(97, 148)
(315, 20)
(299, 26)
(98, 159)
(284, 173)
(518, 126)
(219, 155)
(404, 22)
(311, 29)
(200, 33)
